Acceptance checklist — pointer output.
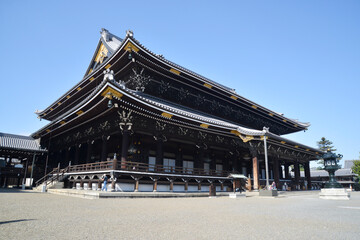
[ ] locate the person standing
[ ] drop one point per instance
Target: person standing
(105, 178)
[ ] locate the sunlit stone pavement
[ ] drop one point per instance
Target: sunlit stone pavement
(293, 215)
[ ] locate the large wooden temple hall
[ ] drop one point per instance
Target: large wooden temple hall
(152, 125)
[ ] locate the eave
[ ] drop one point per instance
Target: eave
(176, 71)
(96, 104)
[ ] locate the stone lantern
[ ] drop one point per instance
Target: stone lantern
(331, 166)
(332, 190)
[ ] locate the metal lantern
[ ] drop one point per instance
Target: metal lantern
(331, 166)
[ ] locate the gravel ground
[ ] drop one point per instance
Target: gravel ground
(33, 215)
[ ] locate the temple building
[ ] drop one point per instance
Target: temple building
(152, 125)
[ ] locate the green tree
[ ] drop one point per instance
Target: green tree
(356, 168)
(324, 144)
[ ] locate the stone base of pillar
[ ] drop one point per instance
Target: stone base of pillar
(334, 194)
(268, 193)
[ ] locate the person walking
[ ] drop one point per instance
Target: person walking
(105, 178)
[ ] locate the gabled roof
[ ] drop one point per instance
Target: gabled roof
(117, 48)
(18, 142)
(107, 46)
(150, 106)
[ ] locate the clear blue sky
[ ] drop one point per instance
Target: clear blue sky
(300, 58)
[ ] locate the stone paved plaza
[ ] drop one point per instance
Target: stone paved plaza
(293, 215)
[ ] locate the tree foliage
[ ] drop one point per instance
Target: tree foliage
(324, 145)
(356, 167)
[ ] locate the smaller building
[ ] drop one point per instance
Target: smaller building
(17, 157)
(345, 176)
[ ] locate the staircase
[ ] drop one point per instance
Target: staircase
(53, 179)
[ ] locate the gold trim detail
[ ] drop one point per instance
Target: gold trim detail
(68, 96)
(91, 79)
(262, 137)
(307, 149)
(129, 46)
(235, 132)
(295, 125)
(271, 114)
(113, 93)
(234, 97)
(107, 66)
(90, 71)
(253, 106)
(79, 88)
(51, 109)
(175, 71)
(283, 142)
(167, 115)
(317, 153)
(296, 146)
(247, 138)
(284, 120)
(62, 122)
(59, 103)
(207, 85)
(101, 54)
(48, 130)
(244, 139)
(203, 125)
(79, 112)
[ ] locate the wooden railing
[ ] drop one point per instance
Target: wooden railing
(108, 165)
(55, 175)
(144, 167)
(11, 171)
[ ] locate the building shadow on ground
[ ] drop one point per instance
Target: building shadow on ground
(14, 221)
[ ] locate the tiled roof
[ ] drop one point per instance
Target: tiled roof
(343, 172)
(18, 142)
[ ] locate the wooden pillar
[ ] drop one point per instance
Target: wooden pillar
(81, 184)
(155, 184)
(307, 175)
(296, 173)
(136, 184)
(25, 172)
(67, 154)
(159, 152)
(199, 186)
(99, 185)
(113, 183)
(104, 148)
(178, 161)
(77, 153)
(222, 186)
(186, 187)
(124, 148)
(89, 185)
(88, 152)
(276, 172)
(286, 170)
(171, 184)
(281, 176)
(255, 173)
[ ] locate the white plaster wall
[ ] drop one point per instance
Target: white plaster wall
(94, 186)
(77, 185)
(179, 188)
(163, 188)
(204, 188)
(193, 188)
(124, 187)
(145, 187)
